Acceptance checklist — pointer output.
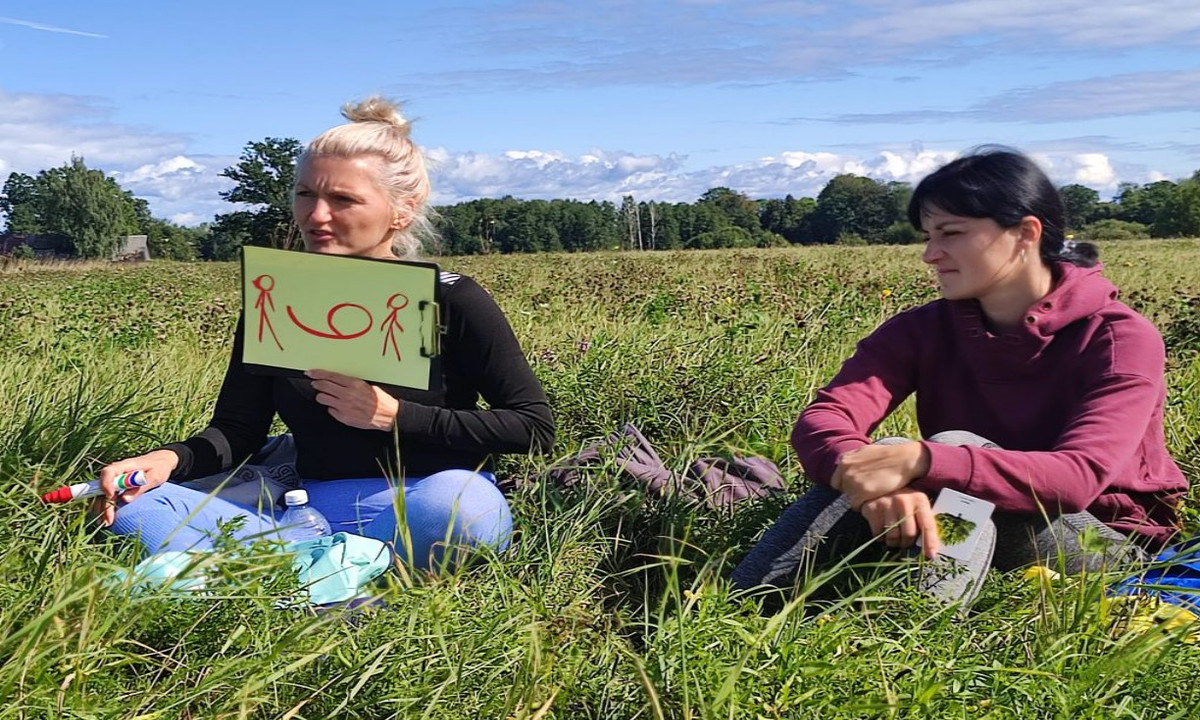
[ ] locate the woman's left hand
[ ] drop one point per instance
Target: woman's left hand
(873, 471)
(354, 402)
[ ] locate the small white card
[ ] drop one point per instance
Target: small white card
(960, 520)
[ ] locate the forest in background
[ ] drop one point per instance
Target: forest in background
(89, 210)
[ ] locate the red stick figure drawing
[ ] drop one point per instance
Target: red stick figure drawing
(389, 326)
(265, 284)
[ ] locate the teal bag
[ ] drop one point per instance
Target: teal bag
(331, 569)
(337, 567)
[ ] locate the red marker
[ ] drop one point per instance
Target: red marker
(67, 493)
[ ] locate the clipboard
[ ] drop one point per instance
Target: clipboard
(375, 319)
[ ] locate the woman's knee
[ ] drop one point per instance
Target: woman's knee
(961, 438)
(452, 507)
(164, 503)
(465, 501)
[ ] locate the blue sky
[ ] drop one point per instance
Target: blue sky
(661, 99)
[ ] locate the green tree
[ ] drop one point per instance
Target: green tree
(1144, 203)
(787, 217)
(263, 178)
(18, 203)
(1113, 229)
(1180, 214)
(86, 205)
(851, 205)
(730, 236)
(1081, 204)
(229, 232)
(169, 241)
(733, 208)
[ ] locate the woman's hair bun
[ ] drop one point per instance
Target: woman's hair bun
(376, 109)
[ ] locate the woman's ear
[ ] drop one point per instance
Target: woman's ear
(403, 216)
(1029, 236)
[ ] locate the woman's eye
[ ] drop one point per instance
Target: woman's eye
(304, 193)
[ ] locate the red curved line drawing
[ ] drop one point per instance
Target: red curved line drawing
(264, 301)
(336, 334)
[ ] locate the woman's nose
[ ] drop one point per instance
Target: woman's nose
(320, 210)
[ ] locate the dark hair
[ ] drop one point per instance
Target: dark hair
(1006, 186)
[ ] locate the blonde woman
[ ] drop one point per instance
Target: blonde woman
(361, 189)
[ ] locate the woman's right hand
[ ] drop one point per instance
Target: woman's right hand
(901, 517)
(156, 465)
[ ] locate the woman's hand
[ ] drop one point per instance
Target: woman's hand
(873, 471)
(904, 515)
(354, 402)
(157, 466)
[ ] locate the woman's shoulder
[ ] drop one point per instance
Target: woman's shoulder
(930, 314)
(1131, 343)
(465, 301)
(459, 289)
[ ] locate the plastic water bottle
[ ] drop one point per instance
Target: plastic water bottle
(301, 521)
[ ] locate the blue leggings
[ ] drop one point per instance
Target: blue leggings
(449, 508)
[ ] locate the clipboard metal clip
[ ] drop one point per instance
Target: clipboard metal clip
(431, 328)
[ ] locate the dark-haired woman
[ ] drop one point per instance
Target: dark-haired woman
(1036, 390)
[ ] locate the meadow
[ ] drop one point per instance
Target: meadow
(610, 604)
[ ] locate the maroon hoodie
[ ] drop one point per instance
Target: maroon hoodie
(1074, 396)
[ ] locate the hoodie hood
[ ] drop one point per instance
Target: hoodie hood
(1078, 292)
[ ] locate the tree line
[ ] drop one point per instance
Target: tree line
(90, 212)
(90, 209)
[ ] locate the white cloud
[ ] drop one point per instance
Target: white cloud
(1067, 101)
(1086, 24)
(181, 187)
(544, 174)
(603, 175)
(42, 131)
(610, 176)
(48, 28)
(534, 44)
(39, 131)
(189, 218)
(1095, 170)
(1116, 95)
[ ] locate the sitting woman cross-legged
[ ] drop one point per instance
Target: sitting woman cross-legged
(361, 189)
(1036, 390)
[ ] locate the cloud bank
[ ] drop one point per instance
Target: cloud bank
(43, 131)
(544, 44)
(610, 175)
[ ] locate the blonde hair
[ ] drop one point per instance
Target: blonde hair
(377, 128)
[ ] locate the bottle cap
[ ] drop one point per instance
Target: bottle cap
(295, 497)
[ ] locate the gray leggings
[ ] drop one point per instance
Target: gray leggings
(820, 528)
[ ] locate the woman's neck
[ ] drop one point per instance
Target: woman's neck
(1005, 307)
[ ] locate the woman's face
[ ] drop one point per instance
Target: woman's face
(340, 208)
(973, 257)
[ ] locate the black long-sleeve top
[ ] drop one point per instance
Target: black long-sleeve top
(435, 430)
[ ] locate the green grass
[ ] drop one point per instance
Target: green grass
(611, 604)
